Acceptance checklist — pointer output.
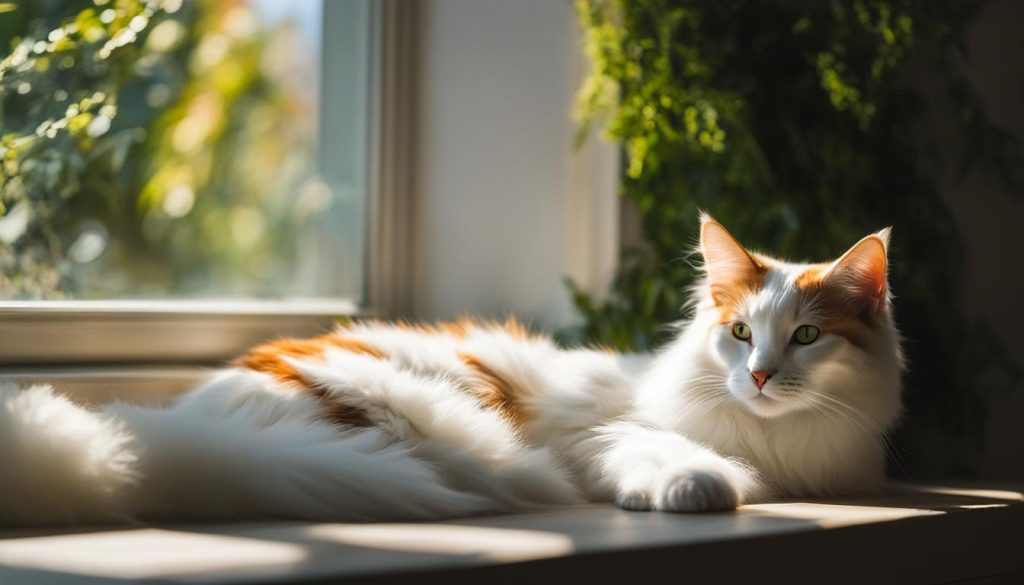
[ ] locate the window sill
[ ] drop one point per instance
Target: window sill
(62, 333)
(915, 535)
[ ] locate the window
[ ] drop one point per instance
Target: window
(183, 178)
(170, 149)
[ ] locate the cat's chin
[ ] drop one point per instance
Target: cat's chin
(766, 406)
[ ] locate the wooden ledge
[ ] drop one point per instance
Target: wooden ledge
(915, 534)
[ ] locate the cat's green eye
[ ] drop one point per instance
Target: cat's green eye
(806, 334)
(741, 331)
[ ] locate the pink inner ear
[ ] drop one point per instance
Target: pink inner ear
(862, 268)
(725, 260)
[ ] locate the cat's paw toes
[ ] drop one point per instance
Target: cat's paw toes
(636, 500)
(694, 490)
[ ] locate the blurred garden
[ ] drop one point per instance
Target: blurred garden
(153, 148)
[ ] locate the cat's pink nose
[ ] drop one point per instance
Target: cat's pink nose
(761, 377)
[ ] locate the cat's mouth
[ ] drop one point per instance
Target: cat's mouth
(763, 404)
(771, 404)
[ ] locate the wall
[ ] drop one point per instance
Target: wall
(990, 216)
(508, 208)
(991, 220)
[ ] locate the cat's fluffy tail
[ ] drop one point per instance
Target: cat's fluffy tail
(61, 463)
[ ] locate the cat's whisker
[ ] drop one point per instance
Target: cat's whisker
(845, 417)
(707, 401)
(707, 385)
(851, 409)
(708, 406)
(879, 436)
(718, 377)
(882, 441)
(853, 413)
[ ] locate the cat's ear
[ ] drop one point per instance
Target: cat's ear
(726, 262)
(862, 270)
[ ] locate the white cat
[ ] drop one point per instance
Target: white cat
(783, 383)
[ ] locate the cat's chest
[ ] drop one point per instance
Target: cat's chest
(796, 456)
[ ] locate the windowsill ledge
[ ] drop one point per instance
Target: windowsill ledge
(918, 534)
(153, 332)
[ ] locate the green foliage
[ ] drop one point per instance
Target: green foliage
(797, 124)
(145, 149)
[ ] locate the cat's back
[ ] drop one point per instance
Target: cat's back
(501, 365)
(373, 369)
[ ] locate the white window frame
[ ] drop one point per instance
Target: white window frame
(149, 348)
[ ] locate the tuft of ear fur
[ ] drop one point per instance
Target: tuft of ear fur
(726, 261)
(863, 269)
(884, 234)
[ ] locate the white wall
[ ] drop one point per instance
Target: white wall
(507, 208)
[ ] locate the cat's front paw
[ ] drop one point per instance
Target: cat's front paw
(693, 490)
(634, 499)
(685, 488)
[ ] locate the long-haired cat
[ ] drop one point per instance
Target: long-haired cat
(783, 382)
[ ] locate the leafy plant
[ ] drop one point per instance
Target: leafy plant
(801, 125)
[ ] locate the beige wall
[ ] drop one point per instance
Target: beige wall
(507, 205)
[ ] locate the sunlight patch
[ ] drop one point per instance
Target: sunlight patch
(494, 544)
(145, 553)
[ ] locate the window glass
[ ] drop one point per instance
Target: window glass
(170, 148)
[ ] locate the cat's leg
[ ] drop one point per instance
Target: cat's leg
(635, 465)
(642, 468)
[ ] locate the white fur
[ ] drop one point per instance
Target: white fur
(690, 432)
(243, 447)
(60, 463)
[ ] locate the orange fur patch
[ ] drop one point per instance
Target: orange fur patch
(269, 359)
(812, 277)
(842, 313)
(493, 391)
(487, 386)
(514, 328)
(459, 328)
(729, 297)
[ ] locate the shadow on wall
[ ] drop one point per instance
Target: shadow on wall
(990, 217)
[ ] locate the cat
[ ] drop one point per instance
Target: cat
(782, 382)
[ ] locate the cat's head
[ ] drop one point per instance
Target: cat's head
(792, 336)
